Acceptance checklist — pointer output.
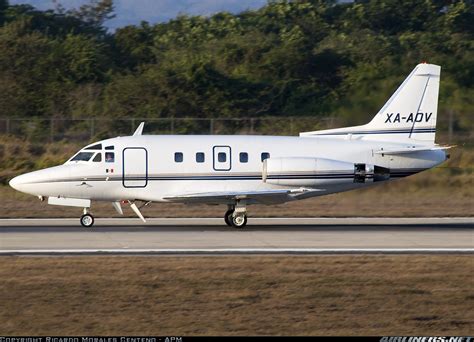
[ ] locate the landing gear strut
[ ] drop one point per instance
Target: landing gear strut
(236, 216)
(87, 220)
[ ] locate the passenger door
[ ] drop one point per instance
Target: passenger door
(135, 167)
(222, 158)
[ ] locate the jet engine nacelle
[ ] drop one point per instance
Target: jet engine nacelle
(313, 171)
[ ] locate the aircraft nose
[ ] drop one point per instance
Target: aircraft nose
(26, 182)
(15, 182)
(38, 183)
(18, 183)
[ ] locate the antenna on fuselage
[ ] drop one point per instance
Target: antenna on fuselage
(139, 129)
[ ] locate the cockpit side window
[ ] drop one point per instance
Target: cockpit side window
(109, 147)
(83, 156)
(94, 147)
(97, 158)
(109, 157)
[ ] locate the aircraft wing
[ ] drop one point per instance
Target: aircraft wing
(412, 150)
(229, 197)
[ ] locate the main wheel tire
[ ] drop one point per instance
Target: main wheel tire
(239, 221)
(87, 220)
(228, 217)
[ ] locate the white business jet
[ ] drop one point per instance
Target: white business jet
(241, 170)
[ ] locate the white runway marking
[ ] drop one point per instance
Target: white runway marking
(230, 251)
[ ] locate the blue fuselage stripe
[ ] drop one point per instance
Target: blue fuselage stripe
(394, 173)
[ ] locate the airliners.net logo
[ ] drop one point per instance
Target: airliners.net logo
(426, 339)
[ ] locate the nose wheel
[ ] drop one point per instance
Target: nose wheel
(87, 220)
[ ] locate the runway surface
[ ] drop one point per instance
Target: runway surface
(262, 236)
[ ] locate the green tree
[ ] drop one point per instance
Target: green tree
(94, 13)
(3, 6)
(302, 57)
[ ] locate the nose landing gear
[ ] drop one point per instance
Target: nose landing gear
(87, 220)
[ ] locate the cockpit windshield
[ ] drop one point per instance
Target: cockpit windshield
(82, 156)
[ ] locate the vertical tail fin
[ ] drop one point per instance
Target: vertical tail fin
(410, 113)
(412, 110)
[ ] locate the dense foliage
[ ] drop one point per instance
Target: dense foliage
(313, 57)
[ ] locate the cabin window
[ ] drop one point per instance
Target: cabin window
(265, 155)
(244, 157)
(94, 147)
(83, 156)
(109, 157)
(222, 157)
(200, 157)
(97, 158)
(109, 147)
(178, 157)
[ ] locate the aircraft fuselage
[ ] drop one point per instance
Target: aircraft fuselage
(152, 168)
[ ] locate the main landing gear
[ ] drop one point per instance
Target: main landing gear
(87, 220)
(236, 216)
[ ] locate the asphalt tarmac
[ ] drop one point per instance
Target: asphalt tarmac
(192, 236)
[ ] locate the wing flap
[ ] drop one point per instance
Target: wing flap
(225, 197)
